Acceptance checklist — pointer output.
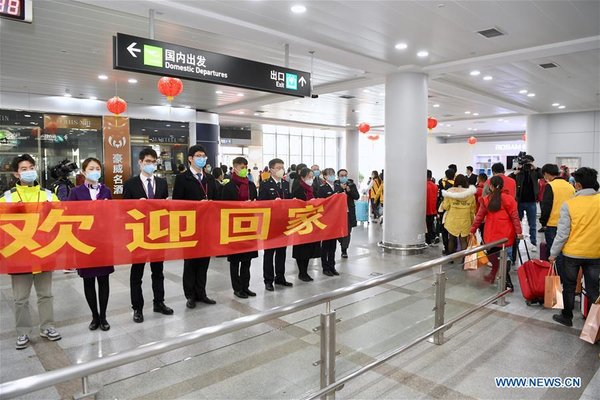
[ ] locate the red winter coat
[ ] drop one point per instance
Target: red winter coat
(432, 193)
(501, 224)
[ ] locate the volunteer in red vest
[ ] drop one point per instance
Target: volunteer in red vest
(28, 190)
(578, 237)
(431, 210)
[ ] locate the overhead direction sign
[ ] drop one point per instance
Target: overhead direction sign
(132, 53)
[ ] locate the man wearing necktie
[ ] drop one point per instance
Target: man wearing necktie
(195, 185)
(147, 186)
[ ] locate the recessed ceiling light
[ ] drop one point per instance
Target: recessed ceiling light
(144, 129)
(487, 78)
(27, 116)
(474, 73)
(298, 9)
(132, 80)
(436, 106)
(183, 126)
(219, 92)
(67, 95)
(401, 46)
(476, 114)
(467, 112)
(156, 130)
(93, 98)
(530, 94)
(240, 95)
(102, 77)
(555, 104)
(523, 91)
(561, 107)
(168, 125)
(422, 53)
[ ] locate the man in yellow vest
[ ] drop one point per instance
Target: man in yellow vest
(556, 193)
(28, 190)
(578, 237)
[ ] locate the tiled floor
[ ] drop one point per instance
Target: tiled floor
(275, 360)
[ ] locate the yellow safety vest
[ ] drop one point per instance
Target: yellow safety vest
(562, 191)
(584, 238)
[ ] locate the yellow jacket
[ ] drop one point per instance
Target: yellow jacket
(376, 190)
(27, 194)
(460, 206)
(578, 227)
(561, 191)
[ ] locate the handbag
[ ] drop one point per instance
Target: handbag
(591, 329)
(471, 259)
(553, 290)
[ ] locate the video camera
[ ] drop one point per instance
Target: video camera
(524, 161)
(63, 169)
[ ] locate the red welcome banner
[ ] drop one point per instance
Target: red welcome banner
(82, 234)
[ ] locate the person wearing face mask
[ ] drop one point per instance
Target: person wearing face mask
(147, 186)
(303, 253)
(578, 239)
(28, 190)
(196, 185)
(328, 246)
(274, 188)
(346, 185)
(317, 180)
(240, 188)
(92, 189)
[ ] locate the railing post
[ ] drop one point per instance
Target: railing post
(86, 391)
(440, 305)
(328, 352)
(502, 282)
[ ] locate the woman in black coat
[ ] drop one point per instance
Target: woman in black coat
(302, 189)
(239, 188)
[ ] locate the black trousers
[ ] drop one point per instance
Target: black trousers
(240, 275)
(328, 254)
(89, 287)
(135, 284)
(302, 267)
(345, 241)
(430, 235)
(274, 272)
(591, 271)
(194, 277)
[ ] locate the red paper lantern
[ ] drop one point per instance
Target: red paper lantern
(364, 127)
(373, 137)
(170, 87)
(524, 137)
(431, 123)
(51, 127)
(472, 140)
(116, 105)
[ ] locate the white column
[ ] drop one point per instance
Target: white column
(405, 162)
(352, 154)
(538, 134)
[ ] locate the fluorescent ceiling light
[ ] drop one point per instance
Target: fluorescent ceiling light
(467, 112)
(561, 107)
(476, 114)
(132, 80)
(298, 9)
(219, 92)
(422, 53)
(401, 46)
(436, 106)
(555, 104)
(487, 78)
(102, 77)
(523, 91)
(530, 94)
(474, 73)
(240, 95)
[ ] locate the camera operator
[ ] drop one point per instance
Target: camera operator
(527, 177)
(62, 185)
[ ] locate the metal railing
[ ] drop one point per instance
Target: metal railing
(328, 381)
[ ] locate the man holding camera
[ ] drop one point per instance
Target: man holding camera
(527, 177)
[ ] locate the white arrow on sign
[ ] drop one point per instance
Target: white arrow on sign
(302, 81)
(132, 50)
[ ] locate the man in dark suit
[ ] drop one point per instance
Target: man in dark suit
(196, 185)
(275, 188)
(471, 177)
(345, 185)
(328, 246)
(147, 186)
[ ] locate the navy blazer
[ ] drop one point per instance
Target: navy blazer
(82, 192)
(268, 190)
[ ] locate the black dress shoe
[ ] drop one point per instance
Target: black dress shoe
(334, 271)
(104, 325)
(561, 319)
(94, 324)
(241, 294)
(344, 254)
(190, 303)
(162, 308)
(249, 292)
(269, 287)
(327, 272)
(284, 283)
(305, 278)
(207, 300)
(138, 316)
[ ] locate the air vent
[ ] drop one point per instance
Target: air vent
(549, 65)
(347, 97)
(490, 33)
(448, 115)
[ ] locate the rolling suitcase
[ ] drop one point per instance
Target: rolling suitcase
(544, 251)
(362, 211)
(532, 277)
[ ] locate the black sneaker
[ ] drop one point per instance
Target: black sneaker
(561, 319)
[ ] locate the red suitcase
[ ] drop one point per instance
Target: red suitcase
(532, 278)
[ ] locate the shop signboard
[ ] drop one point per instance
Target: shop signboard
(117, 153)
(168, 139)
(133, 53)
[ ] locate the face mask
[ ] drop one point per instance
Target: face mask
(208, 169)
(242, 173)
(309, 182)
(200, 162)
(317, 173)
(250, 178)
(93, 176)
(344, 180)
(29, 176)
(149, 168)
(331, 178)
(278, 173)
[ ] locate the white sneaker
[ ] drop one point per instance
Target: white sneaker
(50, 334)
(533, 249)
(22, 342)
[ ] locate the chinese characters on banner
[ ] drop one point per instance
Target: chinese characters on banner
(117, 153)
(47, 236)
